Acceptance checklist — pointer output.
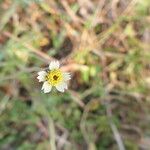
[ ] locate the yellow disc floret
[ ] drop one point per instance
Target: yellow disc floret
(54, 77)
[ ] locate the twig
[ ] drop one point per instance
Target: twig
(45, 57)
(52, 134)
(76, 98)
(114, 128)
(73, 16)
(15, 75)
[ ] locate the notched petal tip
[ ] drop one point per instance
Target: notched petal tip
(67, 76)
(46, 87)
(41, 76)
(62, 87)
(41, 72)
(54, 65)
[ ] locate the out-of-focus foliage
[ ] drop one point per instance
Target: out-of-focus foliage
(105, 46)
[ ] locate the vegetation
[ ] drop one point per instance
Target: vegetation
(104, 44)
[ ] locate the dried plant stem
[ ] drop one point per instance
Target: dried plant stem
(40, 54)
(114, 129)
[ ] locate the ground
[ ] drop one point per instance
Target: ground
(104, 44)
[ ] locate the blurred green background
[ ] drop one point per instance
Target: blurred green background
(105, 45)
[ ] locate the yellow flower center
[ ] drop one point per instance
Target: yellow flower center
(54, 77)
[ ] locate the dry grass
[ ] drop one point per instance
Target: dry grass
(105, 45)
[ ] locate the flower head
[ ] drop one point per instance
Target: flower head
(54, 77)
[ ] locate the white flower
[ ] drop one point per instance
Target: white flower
(54, 77)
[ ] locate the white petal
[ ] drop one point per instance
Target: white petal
(41, 76)
(54, 65)
(61, 87)
(46, 87)
(67, 76)
(41, 72)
